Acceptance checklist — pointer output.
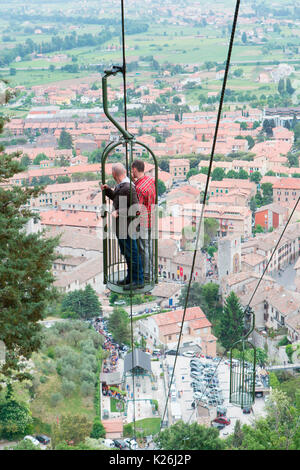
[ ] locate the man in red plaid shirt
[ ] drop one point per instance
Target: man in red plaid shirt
(146, 193)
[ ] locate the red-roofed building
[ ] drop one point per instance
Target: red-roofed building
(179, 168)
(113, 428)
(165, 328)
(286, 191)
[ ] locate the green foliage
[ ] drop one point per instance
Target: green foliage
(231, 322)
(55, 399)
(258, 229)
(25, 271)
(83, 303)
(283, 342)
(279, 430)
(211, 227)
(71, 429)
(65, 140)
(289, 351)
(192, 172)
(15, 420)
(119, 326)
(205, 296)
(98, 429)
(218, 174)
(183, 436)
(39, 158)
(24, 445)
(161, 187)
(256, 177)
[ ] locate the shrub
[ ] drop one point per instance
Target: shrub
(67, 387)
(55, 399)
(43, 379)
(87, 389)
(98, 429)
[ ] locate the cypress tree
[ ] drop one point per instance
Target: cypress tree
(232, 321)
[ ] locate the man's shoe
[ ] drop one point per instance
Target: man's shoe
(134, 286)
(124, 282)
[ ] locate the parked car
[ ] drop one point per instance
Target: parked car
(109, 443)
(222, 420)
(171, 352)
(247, 410)
(120, 444)
(198, 395)
(217, 425)
(195, 375)
(32, 439)
(45, 440)
(120, 302)
(188, 354)
(132, 444)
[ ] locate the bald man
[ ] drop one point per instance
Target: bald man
(123, 196)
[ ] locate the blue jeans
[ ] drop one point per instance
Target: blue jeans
(129, 250)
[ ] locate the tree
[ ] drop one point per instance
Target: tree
(183, 436)
(192, 172)
(118, 325)
(211, 227)
(84, 303)
(25, 161)
(39, 158)
(255, 177)
(205, 296)
(15, 420)
(63, 179)
(244, 37)
(65, 140)
(251, 141)
(253, 205)
(293, 160)
(231, 322)
(279, 430)
(161, 187)
(258, 229)
(232, 174)
(267, 189)
(98, 430)
(289, 89)
(281, 88)
(164, 165)
(218, 174)
(71, 429)
(243, 175)
(25, 271)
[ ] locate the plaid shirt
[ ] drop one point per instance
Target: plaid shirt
(145, 189)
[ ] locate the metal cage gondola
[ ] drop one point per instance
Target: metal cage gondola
(117, 266)
(242, 373)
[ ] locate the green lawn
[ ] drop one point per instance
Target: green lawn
(150, 426)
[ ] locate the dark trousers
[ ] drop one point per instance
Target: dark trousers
(129, 250)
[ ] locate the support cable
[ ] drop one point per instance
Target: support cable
(205, 192)
(124, 71)
(128, 170)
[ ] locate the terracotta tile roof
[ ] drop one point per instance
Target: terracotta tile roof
(113, 425)
(176, 316)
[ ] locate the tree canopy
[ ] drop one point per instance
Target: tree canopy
(183, 436)
(25, 271)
